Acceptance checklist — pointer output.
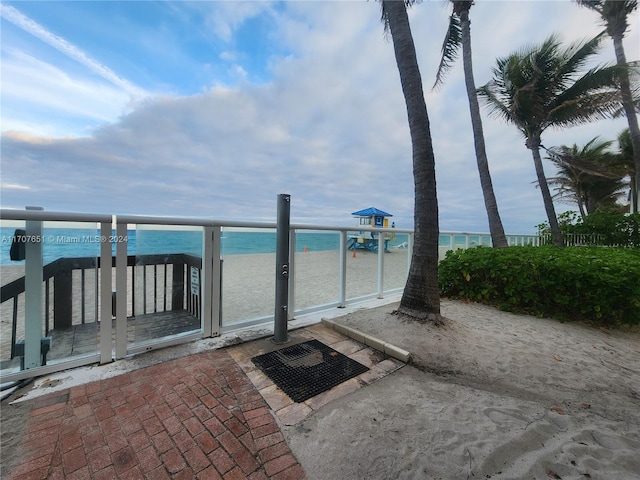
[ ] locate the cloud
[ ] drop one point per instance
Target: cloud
(14, 16)
(328, 127)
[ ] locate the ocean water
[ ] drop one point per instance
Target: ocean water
(81, 242)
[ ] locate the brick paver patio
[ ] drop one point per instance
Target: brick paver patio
(196, 417)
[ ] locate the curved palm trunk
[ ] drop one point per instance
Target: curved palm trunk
(496, 229)
(627, 103)
(421, 296)
(533, 144)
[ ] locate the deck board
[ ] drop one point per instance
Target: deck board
(84, 339)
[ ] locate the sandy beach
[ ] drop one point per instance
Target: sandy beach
(489, 395)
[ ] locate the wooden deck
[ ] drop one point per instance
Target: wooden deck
(80, 340)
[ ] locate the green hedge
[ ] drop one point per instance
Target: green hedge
(573, 283)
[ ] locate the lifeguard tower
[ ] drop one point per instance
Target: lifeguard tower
(369, 217)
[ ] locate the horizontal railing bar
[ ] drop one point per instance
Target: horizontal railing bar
(46, 215)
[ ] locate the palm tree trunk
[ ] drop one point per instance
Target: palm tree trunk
(496, 229)
(533, 144)
(421, 296)
(627, 103)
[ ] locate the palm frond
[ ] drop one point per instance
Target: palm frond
(450, 48)
(383, 14)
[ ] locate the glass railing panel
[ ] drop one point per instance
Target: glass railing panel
(248, 274)
(164, 277)
(396, 262)
(317, 268)
(65, 321)
(362, 265)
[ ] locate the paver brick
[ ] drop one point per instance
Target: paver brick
(132, 474)
(229, 442)
(152, 425)
(124, 460)
(103, 412)
(92, 440)
(139, 440)
(294, 472)
(183, 440)
(246, 461)
(80, 474)
(208, 473)
(215, 426)
(183, 412)
(206, 442)
(173, 461)
(260, 421)
(74, 460)
(108, 473)
(236, 427)
(268, 440)
(100, 458)
(278, 464)
(123, 411)
(221, 460)
(173, 424)
(194, 425)
(184, 474)
(196, 459)
(265, 430)
(258, 475)
(162, 442)
(202, 412)
(116, 442)
(57, 409)
(130, 425)
(110, 426)
(148, 459)
(273, 451)
(192, 421)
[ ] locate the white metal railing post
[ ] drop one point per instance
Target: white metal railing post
(33, 293)
(216, 282)
(342, 275)
(206, 286)
(121, 290)
(380, 264)
(106, 293)
(466, 240)
(292, 275)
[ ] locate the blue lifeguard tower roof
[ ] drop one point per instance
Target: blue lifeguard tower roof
(371, 212)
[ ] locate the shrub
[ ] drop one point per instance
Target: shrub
(597, 229)
(573, 283)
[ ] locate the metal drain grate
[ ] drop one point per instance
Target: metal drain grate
(307, 369)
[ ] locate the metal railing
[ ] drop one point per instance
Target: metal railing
(168, 277)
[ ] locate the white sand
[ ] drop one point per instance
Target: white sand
(493, 395)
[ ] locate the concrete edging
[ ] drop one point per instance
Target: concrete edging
(373, 342)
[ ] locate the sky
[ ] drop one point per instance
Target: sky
(213, 108)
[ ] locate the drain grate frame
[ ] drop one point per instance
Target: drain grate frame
(306, 369)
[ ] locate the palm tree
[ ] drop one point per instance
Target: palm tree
(627, 163)
(460, 32)
(421, 296)
(589, 176)
(540, 87)
(614, 14)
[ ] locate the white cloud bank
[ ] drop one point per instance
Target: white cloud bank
(329, 128)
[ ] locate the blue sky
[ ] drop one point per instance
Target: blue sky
(211, 109)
